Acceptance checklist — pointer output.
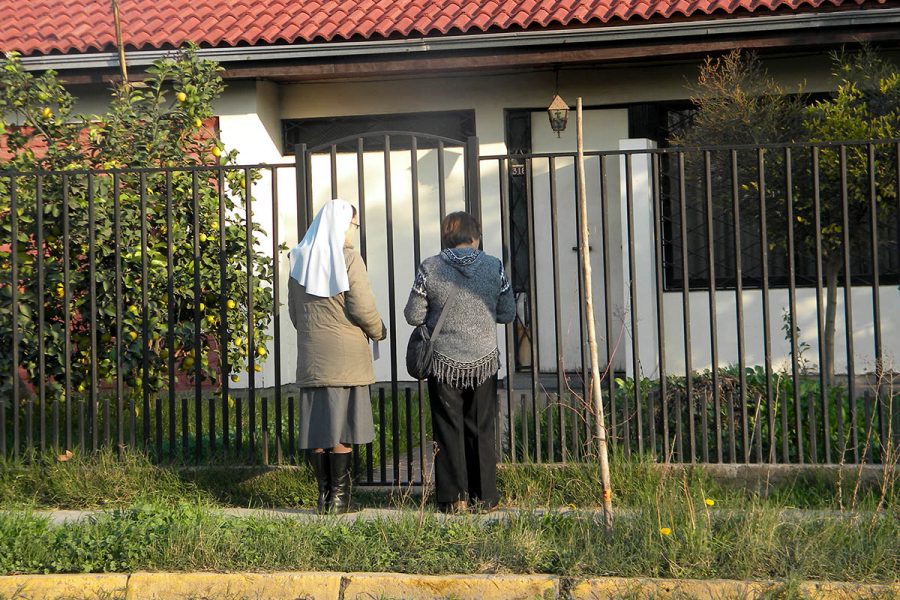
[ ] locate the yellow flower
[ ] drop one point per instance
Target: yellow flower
(665, 531)
(710, 502)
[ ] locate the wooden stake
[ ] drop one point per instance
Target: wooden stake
(600, 420)
(118, 25)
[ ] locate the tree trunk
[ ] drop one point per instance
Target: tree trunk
(832, 270)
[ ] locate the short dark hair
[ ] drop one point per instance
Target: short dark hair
(459, 228)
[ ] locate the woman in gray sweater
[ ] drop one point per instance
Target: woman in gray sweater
(462, 383)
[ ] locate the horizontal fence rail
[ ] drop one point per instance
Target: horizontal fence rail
(746, 302)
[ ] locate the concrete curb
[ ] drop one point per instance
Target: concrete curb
(396, 586)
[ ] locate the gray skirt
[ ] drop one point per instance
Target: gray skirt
(330, 416)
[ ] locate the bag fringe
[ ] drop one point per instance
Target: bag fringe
(464, 375)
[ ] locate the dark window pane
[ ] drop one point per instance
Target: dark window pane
(457, 125)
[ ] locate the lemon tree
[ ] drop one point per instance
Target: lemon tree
(123, 183)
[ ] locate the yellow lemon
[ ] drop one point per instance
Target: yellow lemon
(181, 97)
(238, 341)
(235, 378)
(202, 307)
(216, 151)
(257, 368)
(198, 123)
(60, 290)
(133, 309)
(133, 335)
(231, 304)
(261, 351)
(203, 237)
(210, 319)
(47, 112)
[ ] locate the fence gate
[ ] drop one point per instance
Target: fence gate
(403, 183)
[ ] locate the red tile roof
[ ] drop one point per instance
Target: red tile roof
(73, 26)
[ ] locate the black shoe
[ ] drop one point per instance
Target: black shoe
(340, 483)
(320, 462)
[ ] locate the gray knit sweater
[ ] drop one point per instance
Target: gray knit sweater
(465, 351)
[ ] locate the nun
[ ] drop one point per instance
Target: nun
(333, 310)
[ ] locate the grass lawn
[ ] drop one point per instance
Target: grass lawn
(681, 525)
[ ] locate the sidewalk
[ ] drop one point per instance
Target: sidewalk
(395, 586)
(59, 517)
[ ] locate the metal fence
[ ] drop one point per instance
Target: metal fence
(142, 308)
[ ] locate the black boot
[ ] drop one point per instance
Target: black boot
(340, 483)
(320, 463)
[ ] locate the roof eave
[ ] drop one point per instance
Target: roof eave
(696, 30)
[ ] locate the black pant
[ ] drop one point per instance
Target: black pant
(464, 422)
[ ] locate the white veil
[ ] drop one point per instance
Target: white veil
(317, 262)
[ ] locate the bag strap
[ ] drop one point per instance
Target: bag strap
(443, 315)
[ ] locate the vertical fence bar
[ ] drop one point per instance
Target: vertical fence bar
(764, 263)
(533, 315)
(524, 413)
(660, 310)
(713, 322)
(220, 349)
(251, 320)
(334, 178)
(586, 409)
(686, 308)
(224, 288)
(417, 258)
(290, 427)
(508, 329)
(876, 277)
(739, 309)
(382, 437)
(792, 301)
(41, 384)
(442, 184)
(409, 435)
(811, 428)
(473, 178)
(820, 312)
(392, 292)
(635, 341)
(170, 296)
(92, 309)
(557, 322)
(67, 316)
(14, 313)
(361, 187)
(848, 306)
(145, 330)
(197, 301)
(303, 200)
(607, 301)
(276, 311)
(120, 371)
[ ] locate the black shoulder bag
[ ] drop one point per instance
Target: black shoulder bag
(421, 344)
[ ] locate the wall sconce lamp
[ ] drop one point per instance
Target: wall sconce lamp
(559, 114)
